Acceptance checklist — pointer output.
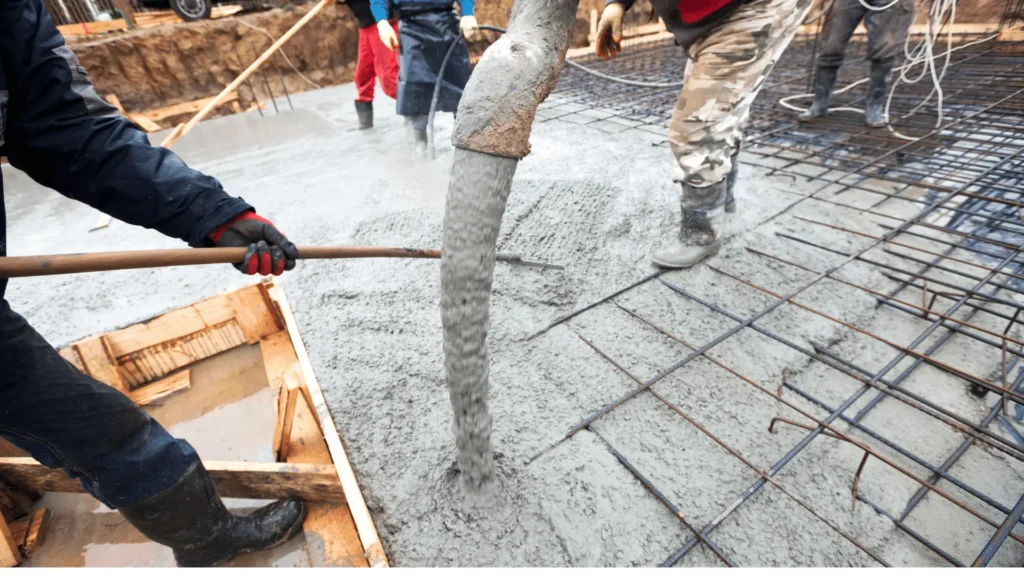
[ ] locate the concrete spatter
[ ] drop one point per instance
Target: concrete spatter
(374, 337)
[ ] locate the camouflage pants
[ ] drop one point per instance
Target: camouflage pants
(727, 69)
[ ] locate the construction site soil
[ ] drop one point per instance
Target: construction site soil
(595, 198)
(175, 63)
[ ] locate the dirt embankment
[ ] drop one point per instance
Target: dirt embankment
(163, 66)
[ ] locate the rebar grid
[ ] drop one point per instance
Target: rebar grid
(957, 262)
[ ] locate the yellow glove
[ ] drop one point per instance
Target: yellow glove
(387, 34)
(469, 28)
(609, 31)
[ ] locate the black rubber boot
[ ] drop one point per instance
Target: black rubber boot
(824, 81)
(191, 519)
(878, 91)
(730, 182)
(365, 112)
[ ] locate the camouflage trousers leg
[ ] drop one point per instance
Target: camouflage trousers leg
(727, 69)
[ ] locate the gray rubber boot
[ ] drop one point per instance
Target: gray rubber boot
(364, 110)
(703, 210)
(191, 519)
(730, 182)
(824, 82)
(878, 91)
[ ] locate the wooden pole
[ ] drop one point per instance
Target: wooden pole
(21, 266)
(172, 137)
(51, 265)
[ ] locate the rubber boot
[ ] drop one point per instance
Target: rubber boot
(191, 519)
(878, 91)
(730, 182)
(698, 232)
(824, 81)
(364, 110)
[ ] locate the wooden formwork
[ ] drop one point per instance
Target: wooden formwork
(153, 363)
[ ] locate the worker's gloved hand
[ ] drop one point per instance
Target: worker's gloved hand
(387, 35)
(269, 251)
(470, 29)
(609, 31)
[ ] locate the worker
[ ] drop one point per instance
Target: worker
(732, 46)
(375, 61)
(426, 31)
(54, 127)
(887, 26)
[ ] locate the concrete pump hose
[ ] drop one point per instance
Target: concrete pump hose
(580, 67)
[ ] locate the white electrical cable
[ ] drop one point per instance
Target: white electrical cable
(923, 55)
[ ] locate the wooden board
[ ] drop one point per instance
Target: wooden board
(329, 524)
(357, 506)
(260, 480)
(29, 533)
(148, 126)
(88, 28)
(9, 554)
(13, 503)
(148, 351)
(192, 107)
(98, 363)
(114, 101)
(162, 389)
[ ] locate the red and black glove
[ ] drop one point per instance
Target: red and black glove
(269, 251)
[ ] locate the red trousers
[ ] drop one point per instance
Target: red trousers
(374, 62)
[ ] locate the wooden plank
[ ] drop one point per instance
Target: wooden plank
(958, 29)
(1012, 35)
(215, 310)
(13, 503)
(116, 103)
(174, 324)
(9, 554)
(329, 524)
(357, 506)
(156, 362)
(29, 533)
(71, 355)
(192, 107)
(287, 399)
(259, 480)
(162, 389)
(253, 315)
(99, 363)
(278, 356)
(147, 125)
(89, 28)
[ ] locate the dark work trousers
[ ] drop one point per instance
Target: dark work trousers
(887, 30)
(66, 419)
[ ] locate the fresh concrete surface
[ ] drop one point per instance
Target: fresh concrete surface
(596, 201)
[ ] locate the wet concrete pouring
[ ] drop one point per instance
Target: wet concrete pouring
(689, 402)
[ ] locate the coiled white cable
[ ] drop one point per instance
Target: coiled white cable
(922, 55)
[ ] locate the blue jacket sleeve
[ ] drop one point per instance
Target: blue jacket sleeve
(380, 9)
(466, 7)
(65, 137)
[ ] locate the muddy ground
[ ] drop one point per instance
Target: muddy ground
(167, 65)
(374, 336)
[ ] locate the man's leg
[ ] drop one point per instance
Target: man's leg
(887, 32)
(386, 66)
(727, 70)
(66, 419)
(840, 22)
(365, 76)
(122, 456)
